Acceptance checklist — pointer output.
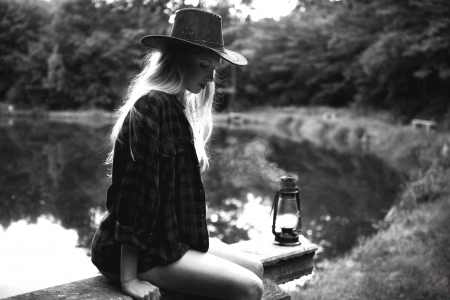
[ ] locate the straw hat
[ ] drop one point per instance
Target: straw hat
(199, 28)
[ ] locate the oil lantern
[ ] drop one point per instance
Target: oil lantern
(287, 212)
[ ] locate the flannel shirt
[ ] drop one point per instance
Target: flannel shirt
(156, 200)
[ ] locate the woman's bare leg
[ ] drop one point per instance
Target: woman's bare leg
(245, 260)
(208, 275)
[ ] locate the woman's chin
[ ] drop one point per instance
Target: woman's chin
(196, 91)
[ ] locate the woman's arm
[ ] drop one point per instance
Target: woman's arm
(128, 263)
(131, 285)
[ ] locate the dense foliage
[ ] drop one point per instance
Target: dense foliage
(388, 54)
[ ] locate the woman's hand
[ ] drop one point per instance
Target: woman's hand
(141, 290)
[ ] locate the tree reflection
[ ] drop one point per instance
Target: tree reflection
(52, 169)
(343, 195)
(238, 167)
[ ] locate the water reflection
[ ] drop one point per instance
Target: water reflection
(52, 169)
(55, 169)
(35, 256)
(342, 195)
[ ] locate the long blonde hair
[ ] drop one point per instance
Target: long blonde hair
(167, 70)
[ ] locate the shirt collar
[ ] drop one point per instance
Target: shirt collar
(178, 102)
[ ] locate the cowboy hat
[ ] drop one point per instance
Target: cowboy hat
(199, 28)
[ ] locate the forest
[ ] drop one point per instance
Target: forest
(389, 55)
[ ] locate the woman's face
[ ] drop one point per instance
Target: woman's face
(202, 71)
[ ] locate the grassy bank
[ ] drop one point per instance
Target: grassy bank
(407, 260)
(408, 257)
(346, 131)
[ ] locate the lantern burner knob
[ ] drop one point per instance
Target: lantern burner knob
(287, 181)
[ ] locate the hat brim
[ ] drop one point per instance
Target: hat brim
(156, 41)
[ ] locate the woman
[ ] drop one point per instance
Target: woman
(155, 233)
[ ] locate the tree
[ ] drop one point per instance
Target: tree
(388, 54)
(22, 55)
(96, 47)
(406, 68)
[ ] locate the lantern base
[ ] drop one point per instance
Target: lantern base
(286, 244)
(287, 237)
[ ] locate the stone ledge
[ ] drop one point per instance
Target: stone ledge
(97, 287)
(281, 264)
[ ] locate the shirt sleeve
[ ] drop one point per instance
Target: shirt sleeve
(138, 199)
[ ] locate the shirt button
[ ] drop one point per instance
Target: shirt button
(200, 191)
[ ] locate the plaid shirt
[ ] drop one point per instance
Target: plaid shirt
(156, 201)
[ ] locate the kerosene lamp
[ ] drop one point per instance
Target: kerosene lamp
(287, 213)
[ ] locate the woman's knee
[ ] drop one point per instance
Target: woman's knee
(253, 290)
(258, 269)
(257, 289)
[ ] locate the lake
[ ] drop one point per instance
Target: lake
(53, 184)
